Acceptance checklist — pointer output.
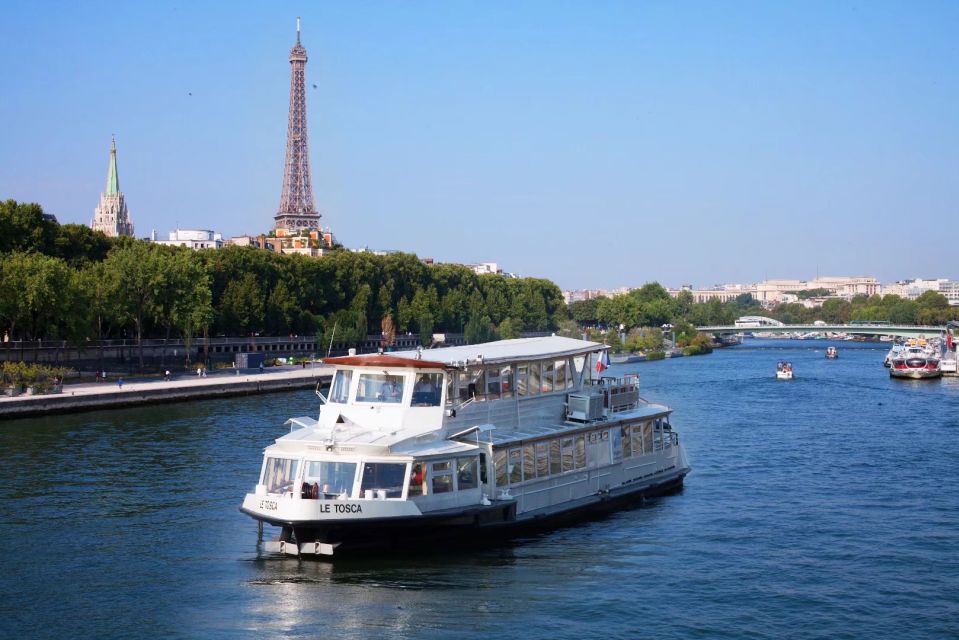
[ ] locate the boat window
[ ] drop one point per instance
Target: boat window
(506, 381)
(658, 436)
(597, 448)
(379, 387)
(521, 380)
(636, 439)
(562, 379)
(476, 384)
(534, 378)
(548, 369)
(515, 466)
(442, 482)
(580, 455)
(555, 459)
(499, 461)
(567, 454)
(279, 473)
(542, 459)
(451, 387)
(417, 480)
(647, 437)
(578, 362)
(529, 463)
(626, 442)
(482, 465)
(441, 466)
(492, 383)
(426, 391)
(466, 473)
(332, 477)
(340, 392)
(383, 478)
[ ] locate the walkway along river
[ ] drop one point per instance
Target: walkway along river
(820, 507)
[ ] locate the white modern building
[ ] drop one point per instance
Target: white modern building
(195, 239)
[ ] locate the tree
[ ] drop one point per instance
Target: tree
(241, 306)
(39, 295)
(134, 270)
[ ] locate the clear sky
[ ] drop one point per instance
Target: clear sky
(598, 144)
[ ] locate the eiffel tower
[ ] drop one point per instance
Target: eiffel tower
(297, 212)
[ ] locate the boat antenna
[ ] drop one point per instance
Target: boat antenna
(328, 351)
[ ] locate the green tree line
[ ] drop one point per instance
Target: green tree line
(69, 282)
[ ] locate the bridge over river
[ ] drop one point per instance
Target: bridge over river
(904, 331)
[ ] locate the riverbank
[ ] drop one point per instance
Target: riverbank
(109, 395)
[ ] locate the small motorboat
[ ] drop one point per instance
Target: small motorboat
(832, 353)
(784, 371)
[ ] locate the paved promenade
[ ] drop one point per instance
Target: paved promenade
(137, 391)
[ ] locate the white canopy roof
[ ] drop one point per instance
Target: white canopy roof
(507, 350)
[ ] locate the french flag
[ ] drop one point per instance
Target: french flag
(602, 363)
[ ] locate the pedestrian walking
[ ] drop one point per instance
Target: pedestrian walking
(166, 375)
(120, 382)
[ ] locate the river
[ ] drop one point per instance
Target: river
(822, 507)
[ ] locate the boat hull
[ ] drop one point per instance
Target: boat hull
(473, 526)
(915, 374)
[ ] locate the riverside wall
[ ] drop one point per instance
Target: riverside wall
(90, 397)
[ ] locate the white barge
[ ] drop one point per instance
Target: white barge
(455, 444)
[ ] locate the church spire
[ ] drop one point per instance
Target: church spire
(113, 179)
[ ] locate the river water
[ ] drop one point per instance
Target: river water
(822, 507)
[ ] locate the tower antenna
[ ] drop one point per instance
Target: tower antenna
(297, 29)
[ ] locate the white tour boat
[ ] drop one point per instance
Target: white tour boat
(915, 362)
(832, 352)
(460, 443)
(784, 371)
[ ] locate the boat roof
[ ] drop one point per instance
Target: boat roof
(505, 351)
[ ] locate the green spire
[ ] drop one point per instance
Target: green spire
(113, 180)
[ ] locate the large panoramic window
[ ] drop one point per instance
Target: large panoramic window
(626, 442)
(379, 387)
(515, 466)
(542, 459)
(279, 473)
(506, 381)
(555, 459)
(492, 383)
(426, 391)
(384, 478)
(563, 379)
(341, 386)
(332, 477)
(534, 378)
(521, 380)
(567, 454)
(502, 469)
(548, 369)
(466, 473)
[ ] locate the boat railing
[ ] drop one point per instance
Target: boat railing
(619, 393)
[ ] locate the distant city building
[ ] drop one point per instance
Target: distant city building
(776, 291)
(297, 212)
(260, 242)
(912, 289)
(723, 293)
(111, 216)
(308, 242)
(950, 289)
(195, 239)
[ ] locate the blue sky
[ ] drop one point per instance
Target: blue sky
(598, 144)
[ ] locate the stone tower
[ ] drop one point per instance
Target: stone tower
(297, 212)
(112, 217)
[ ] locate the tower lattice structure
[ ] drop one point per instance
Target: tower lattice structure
(297, 211)
(111, 215)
